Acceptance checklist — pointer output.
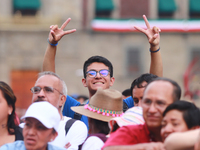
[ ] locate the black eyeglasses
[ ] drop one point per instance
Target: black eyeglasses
(93, 73)
(46, 89)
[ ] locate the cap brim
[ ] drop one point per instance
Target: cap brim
(40, 119)
(81, 110)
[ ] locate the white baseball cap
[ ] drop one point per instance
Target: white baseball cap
(44, 112)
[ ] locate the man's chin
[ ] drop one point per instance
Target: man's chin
(95, 87)
(153, 124)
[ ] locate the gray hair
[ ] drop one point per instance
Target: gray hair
(64, 86)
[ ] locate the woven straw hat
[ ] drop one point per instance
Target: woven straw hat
(103, 105)
(132, 116)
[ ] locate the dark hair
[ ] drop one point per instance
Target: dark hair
(82, 96)
(99, 59)
(127, 92)
(147, 77)
(190, 112)
(102, 126)
(10, 98)
(115, 127)
(176, 88)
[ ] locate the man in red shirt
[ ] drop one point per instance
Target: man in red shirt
(157, 96)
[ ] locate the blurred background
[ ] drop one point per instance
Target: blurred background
(104, 27)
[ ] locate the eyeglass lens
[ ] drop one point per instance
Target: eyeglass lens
(37, 89)
(93, 73)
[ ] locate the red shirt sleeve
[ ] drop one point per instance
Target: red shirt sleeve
(123, 136)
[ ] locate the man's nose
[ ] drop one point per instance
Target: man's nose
(168, 129)
(98, 75)
(140, 102)
(41, 93)
(152, 108)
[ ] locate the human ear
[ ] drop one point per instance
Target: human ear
(112, 80)
(63, 99)
(53, 135)
(10, 109)
(84, 82)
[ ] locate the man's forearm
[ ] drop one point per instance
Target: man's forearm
(49, 59)
(156, 66)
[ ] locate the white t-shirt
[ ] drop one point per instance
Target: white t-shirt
(93, 143)
(76, 134)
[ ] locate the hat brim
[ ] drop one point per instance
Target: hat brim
(81, 110)
(40, 119)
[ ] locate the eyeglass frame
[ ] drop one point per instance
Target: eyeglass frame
(98, 72)
(45, 90)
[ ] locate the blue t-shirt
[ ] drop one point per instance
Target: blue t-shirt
(72, 102)
(70, 113)
(129, 102)
(19, 145)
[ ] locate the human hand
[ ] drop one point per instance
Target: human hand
(67, 145)
(154, 146)
(151, 33)
(57, 33)
(197, 144)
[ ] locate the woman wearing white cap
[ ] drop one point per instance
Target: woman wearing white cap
(41, 125)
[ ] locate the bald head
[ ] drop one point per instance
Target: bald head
(157, 96)
(176, 90)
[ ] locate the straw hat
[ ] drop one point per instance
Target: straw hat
(132, 116)
(103, 105)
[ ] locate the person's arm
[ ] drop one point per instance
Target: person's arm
(182, 140)
(143, 146)
(54, 36)
(76, 135)
(156, 66)
(92, 143)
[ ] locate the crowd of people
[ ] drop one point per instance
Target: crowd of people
(154, 117)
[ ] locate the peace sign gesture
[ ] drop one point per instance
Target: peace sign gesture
(151, 33)
(57, 33)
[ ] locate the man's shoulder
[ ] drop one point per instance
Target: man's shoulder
(140, 128)
(75, 125)
(66, 119)
(71, 101)
(129, 102)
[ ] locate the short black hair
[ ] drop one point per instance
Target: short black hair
(99, 59)
(190, 112)
(147, 77)
(126, 92)
(82, 96)
(176, 88)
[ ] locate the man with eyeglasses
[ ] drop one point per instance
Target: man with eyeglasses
(98, 71)
(157, 96)
(50, 87)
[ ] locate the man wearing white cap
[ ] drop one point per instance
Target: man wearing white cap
(50, 87)
(41, 126)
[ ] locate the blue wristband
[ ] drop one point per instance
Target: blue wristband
(51, 43)
(154, 51)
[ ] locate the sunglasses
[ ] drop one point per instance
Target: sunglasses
(93, 73)
(46, 89)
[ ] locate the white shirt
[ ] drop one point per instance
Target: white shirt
(93, 143)
(76, 134)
